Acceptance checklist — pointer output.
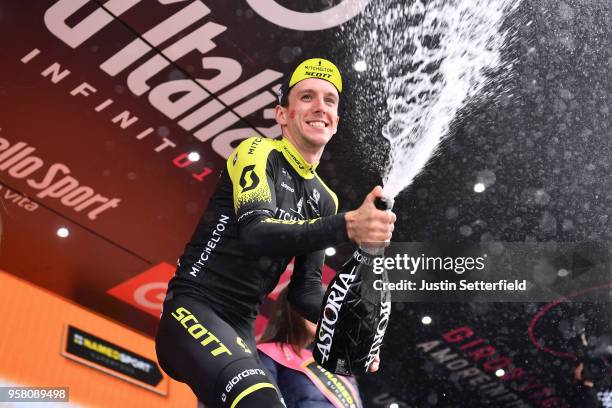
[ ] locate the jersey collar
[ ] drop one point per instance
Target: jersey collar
(301, 166)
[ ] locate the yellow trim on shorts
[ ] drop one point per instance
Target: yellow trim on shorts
(249, 390)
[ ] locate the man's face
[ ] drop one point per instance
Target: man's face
(311, 116)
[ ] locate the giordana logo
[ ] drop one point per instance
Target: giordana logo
(295, 20)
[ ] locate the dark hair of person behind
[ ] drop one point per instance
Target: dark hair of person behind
(286, 326)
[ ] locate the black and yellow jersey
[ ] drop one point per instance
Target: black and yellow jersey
(269, 206)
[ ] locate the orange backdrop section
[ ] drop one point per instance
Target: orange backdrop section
(33, 322)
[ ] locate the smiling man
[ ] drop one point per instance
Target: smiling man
(269, 206)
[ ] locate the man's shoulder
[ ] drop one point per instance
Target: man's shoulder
(257, 143)
(253, 149)
(332, 197)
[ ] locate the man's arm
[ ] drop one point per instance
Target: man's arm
(264, 235)
(252, 173)
(252, 176)
(305, 288)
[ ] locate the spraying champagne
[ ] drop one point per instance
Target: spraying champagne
(354, 316)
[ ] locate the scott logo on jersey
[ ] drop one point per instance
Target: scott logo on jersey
(248, 173)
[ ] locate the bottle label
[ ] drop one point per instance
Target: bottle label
(363, 257)
(385, 313)
(331, 311)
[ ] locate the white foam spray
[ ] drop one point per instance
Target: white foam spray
(435, 56)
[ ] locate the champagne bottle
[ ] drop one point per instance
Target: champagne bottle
(354, 316)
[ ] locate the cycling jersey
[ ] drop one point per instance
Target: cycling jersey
(269, 206)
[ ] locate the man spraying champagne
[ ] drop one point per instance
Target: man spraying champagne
(354, 316)
(269, 206)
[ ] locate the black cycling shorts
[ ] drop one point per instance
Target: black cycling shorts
(219, 362)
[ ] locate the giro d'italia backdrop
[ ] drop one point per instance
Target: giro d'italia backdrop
(101, 103)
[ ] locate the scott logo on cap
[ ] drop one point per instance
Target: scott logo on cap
(317, 68)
